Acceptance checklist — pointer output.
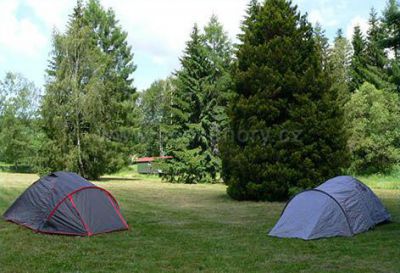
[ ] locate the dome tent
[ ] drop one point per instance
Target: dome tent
(65, 203)
(342, 206)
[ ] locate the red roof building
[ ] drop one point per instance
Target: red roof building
(151, 159)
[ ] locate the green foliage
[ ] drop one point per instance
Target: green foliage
(375, 71)
(18, 120)
(218, 91)
(198, 106)
(374, 123)
(155, 112)
(339, 67)
(391, 21)
(89, 105)
(286, 127)
(391, 40)
(188, 143)
(376, 55)
(322, 43)
(358, 61)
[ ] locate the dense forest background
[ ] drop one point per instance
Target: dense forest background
(277, 113)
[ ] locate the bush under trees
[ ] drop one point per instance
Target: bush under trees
(373, 118)
(19, 133)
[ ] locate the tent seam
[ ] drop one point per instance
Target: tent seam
(330, 196)
(89, 233)
(340, 206)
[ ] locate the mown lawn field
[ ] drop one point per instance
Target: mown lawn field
(192, 228)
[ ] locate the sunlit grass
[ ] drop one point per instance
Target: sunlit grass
(383, 181)
(191, 228)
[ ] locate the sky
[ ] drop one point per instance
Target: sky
(157, 29)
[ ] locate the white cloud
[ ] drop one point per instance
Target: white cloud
(159, 60)
(19, 35)
(315, 17)
(356, 21)
(52, 13)
(325, 16)
(162, 27)
(157, 29)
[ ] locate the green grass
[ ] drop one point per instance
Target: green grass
(389, 181)
(191, 228)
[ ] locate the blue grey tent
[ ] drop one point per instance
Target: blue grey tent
(342, 206)
(65, 203)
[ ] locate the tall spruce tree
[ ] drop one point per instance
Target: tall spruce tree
(198, 106)
(339, 67)
(322, 43)
(391, 20)
(391, 41)
(375, 56)
(219, 89)
(89, 103)
(287, 131)
(358, 61)
(189, 144)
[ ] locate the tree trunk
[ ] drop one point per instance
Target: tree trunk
(77, 116)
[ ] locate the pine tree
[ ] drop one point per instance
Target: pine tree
(375, 56)
(322, 43)
(391, 20)
(391, 41)
(203, 89)
(218, 91)
(339, 67)
(285, 121)
(189, 143)
(88, 110)
(248, 25)
(358, 61)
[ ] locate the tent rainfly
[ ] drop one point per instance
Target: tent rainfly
(342, 206)
(65, 203)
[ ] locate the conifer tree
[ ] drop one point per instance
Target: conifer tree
(322, 43)
(218, 92)
(358, 61)
(285, 123)
(375, 59)
(203, 88)
(189, 144)
(339, 67)
(391, 20)
(391, 41)
(376, 55)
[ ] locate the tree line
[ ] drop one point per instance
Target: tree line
(278, 112)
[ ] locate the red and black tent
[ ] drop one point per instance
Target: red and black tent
(65, 203)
